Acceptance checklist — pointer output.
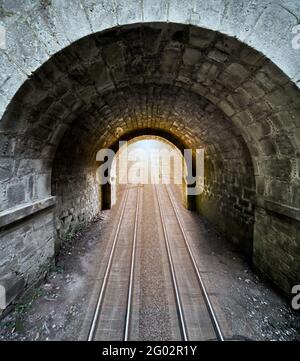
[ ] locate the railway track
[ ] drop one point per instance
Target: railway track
(113, 312)
(96, 332)
(177, 266)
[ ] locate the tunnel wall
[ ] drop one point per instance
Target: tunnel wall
(229, 193)
(277, 239)
(26, 246)
(77, 199)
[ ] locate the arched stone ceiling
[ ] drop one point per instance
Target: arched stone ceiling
(195, 75)
(37, 29)
(180, 114)
(203, 87)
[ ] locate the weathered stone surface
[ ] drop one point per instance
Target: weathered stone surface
(16, 194)
(77, 193)
(58, 23)
(281, 209)
(24, 210)
(13, 287)
(276, 242)
(234, 75)
(26, 247)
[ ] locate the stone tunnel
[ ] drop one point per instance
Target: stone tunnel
(80, 76)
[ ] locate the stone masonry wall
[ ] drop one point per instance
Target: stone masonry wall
(228, 198)
(78, 200)
(277, 242)
(27, 250)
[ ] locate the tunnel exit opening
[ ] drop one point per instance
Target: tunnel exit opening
(150, 159)
(146, 160)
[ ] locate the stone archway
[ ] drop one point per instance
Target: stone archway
(204, 88)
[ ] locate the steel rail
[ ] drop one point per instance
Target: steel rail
(181, 317)
(107, 272)
(211, 311)
(131, 277)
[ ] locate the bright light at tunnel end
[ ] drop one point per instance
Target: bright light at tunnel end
(188, 168)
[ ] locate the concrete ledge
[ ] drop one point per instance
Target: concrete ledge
(12, 287)
(282, 209)
(20, 212)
